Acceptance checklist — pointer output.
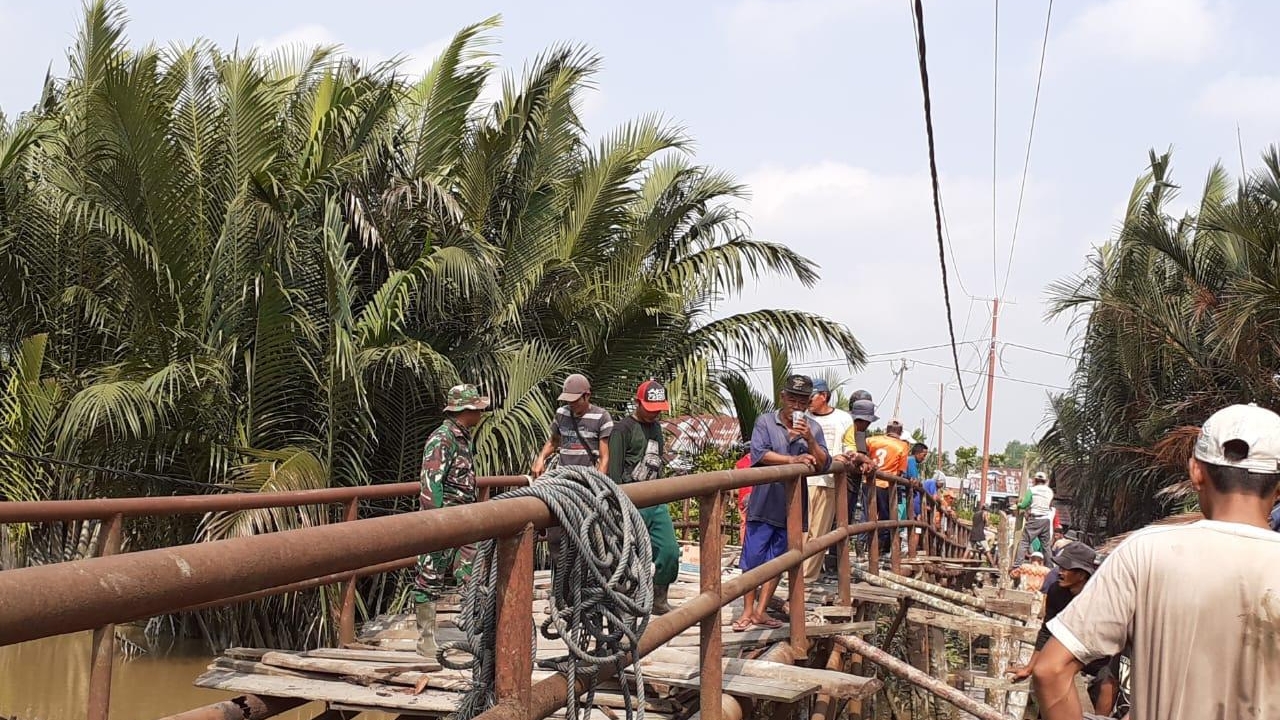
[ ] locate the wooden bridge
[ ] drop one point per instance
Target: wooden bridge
(839, 653)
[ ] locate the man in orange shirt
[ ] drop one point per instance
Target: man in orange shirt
(889, 452)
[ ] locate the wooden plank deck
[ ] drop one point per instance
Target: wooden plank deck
(381, 671)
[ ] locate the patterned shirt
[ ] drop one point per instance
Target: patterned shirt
(448, 474)
(595, 426)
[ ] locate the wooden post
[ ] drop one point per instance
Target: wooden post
(795, 576)
(110, 539)
(710, 544)
(514, 647)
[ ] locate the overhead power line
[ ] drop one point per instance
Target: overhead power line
(1026, 162)
(1042, 350)
(45, 460)
(842, 360)
(934, 411)
(1000, 377)
(918, 16)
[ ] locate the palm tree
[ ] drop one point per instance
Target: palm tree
(263, 271)
(1177, 316)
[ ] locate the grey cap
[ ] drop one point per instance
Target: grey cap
(861, 395)
(1077, 556)
(863, 410)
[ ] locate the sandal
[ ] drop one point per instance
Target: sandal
(768, 622)
(742, 624)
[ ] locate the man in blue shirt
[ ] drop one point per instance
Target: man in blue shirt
(777, 439)
(919, 452)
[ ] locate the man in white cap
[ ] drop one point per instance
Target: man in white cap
(1038, 505)
(1197, 604)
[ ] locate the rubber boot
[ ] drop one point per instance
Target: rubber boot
(427, 648)
(660, 604)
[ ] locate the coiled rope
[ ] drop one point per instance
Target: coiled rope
(601, 592)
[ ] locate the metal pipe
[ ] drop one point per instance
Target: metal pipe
(307, 584)
(101, 508)
(844, 575)
(710, 642)
(83, 594)
(796, 487)
(110, 539)
(243, 707)
(920, 679)
(550, 694)
(347, 610)
(513, 649)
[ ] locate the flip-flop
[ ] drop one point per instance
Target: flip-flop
(742, 625)
(768, 622)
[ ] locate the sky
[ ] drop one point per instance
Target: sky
(816, 105)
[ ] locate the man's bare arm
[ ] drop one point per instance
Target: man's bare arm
(1053, 679)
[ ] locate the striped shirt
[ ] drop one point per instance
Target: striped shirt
(595, 426)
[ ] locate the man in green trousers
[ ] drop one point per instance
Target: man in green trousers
(635, 455)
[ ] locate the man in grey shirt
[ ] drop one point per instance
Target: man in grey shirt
(579, 432)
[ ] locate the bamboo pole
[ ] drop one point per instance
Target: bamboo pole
(921, 597)
(921, 680)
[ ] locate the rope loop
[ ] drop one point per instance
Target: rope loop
(601, 593)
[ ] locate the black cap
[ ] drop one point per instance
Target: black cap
(798, 385)
(860, 395)
(1077, 556)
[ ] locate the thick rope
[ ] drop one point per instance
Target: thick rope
(601, 592)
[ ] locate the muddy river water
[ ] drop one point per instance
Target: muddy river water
(48, 679)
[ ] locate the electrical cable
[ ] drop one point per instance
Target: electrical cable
(1041, 350)
(918, 15)
(1026, 163)
(123, 473)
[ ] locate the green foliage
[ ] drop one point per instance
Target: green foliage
(1177, 316)
(1015, 452)
(264, 271)
(967, 459)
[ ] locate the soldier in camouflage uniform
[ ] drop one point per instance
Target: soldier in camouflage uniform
(448, 478)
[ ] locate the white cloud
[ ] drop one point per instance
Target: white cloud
(783, 24)
(413, 63)
(1174, 31)
(873, 235)
(1243, 98)
(305, 35)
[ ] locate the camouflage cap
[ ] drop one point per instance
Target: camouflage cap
(465, 397)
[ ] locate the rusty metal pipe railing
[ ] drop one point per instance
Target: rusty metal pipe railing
(550, 694)
(102, 508)
(84, 594)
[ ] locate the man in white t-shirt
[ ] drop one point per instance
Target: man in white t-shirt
(1038, 504)
(1198, 605)
(822, 488)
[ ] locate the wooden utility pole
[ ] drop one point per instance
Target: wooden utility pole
(991, 389)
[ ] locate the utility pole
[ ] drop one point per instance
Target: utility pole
(897, 401)
(991, 389)
(942, 390)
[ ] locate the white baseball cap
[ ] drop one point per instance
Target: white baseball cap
(1257, 427)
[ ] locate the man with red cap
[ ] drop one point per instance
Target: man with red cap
(635, 455)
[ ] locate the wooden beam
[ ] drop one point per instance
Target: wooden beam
(976, 626)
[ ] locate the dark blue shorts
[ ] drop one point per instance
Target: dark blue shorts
(764, 542)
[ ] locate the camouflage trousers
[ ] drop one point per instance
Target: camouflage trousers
(442, 572)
